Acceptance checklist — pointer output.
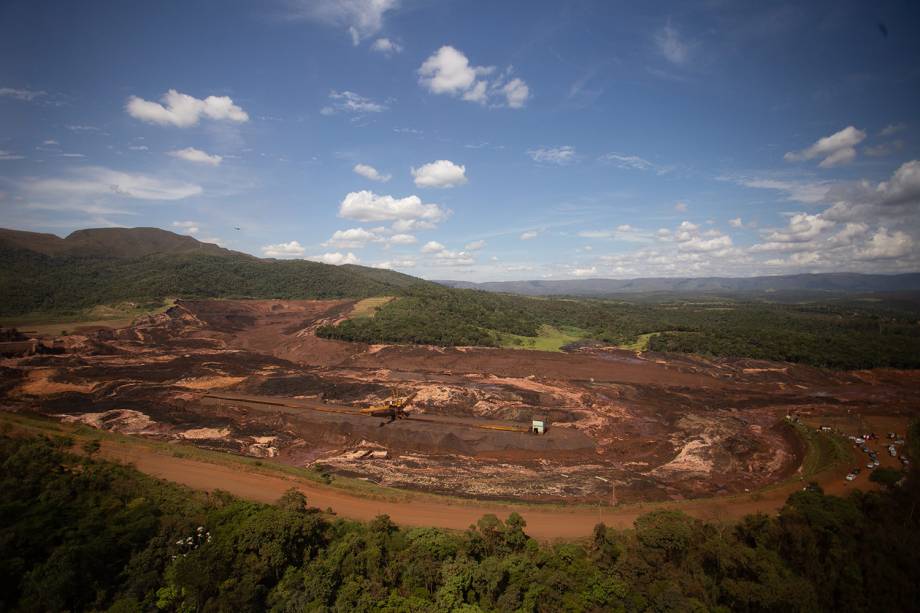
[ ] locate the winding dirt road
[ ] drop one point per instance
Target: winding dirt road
(542, 523)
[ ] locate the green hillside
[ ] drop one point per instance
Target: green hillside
(56, 275)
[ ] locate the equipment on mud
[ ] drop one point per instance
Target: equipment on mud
(393, 407)
(538, 425)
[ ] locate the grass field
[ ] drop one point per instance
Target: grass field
(112, 316)
(368, 307)
(549, 339)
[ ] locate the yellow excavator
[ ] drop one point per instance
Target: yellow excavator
(393, 407)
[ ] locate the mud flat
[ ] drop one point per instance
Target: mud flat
(251, 378)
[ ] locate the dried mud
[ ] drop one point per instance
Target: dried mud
(251, 377)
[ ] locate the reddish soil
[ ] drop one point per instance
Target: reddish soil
(251, 377)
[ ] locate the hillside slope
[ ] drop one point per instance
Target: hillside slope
(42, 272)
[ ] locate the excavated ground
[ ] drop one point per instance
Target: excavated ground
(251, 377)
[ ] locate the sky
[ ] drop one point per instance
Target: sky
(475, 140)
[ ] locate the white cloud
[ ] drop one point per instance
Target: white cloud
(26, 95)
(892, 129)
(680, 207)
(189, 227)
(633, 162)
(838, 148)
(386, 46)
(553, 155)
(700, 244)
(806, 192)
(353, 238)
(475, 245)
(335, 258)
(394, 264)
(183, 111)
(7, 155)
(886, 245)
(361, 18)
(440, 173)
(368, 206)
(292, 249)
(350, 102)
(516, 93)
(51, 141)
(138, 147)
(432, 247)
(585, 272)
(96, 181)
(736, 222)
(369, 172)
(448, 71)
(412, 225)
(802, 227)
(529, 235)
(190, 154)
(402, 239)
(671, 46)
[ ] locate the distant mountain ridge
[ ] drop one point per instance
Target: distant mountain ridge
(47, 273)
(829, 282)
(110, 242)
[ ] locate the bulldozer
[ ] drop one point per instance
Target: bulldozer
(392, 408)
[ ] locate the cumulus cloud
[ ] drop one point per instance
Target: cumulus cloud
(440, 173)
(736, 222)
(292, 249)
(432, 247)
(680, 207)
(402, 239)
(516, 93)
(553, 155)
(886, 245)
(335, 258)
(386, 46)
(448, 71)
(529, 235)
(361, 18)
(475, 245)
(802, 227)
(183, 111)
(353, 238)
(671, 46)
(190, 154)
(369, 172)
(836, 149)
(350, 102)
(368, 206)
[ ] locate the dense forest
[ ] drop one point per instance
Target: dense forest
(838, 334)
(81, 534)
(31, 281)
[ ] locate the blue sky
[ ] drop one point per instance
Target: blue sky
(475, 140)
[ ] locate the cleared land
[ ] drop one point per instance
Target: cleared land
(252, 378)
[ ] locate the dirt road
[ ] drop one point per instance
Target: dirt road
(544, 524)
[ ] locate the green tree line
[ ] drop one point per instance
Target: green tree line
(80, 534)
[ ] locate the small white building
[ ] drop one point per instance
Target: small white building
(538, 426)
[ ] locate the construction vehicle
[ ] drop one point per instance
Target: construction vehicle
(392, 408)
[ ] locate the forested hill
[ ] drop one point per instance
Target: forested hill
(42, 272)
(824, 282)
